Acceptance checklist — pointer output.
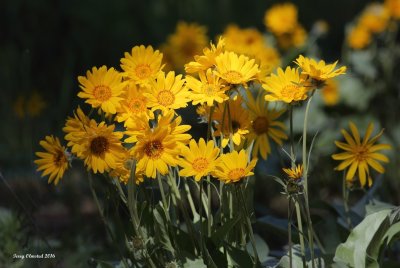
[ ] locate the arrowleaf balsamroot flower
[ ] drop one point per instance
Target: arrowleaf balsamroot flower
(360, 155)
(281, 18)
(294, 173)
(285, 86)
(168, 92)
(318, 71)
(233, 167)
(53, 162)
(207, 89)
(102, 88)
(199, 159)
(142, 65)
(264, 125)
(235, 69)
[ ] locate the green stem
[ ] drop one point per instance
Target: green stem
(301, 233)
(292, 156)
(210, 218)
(290, 234)
(305, 177)
(345, 191)
(248, 222)
(164, 199)
(103, 218)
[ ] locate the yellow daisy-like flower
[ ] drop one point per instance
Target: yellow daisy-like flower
(393, 6)
(198, 159)
(204, 113)
(318, 71)
(264, 125)
(360, 155)
(330, 92)
(294, 173)
(142, 65)
(297, 38)
(167, 92)
(102, 88)
(238, 126)
(53, 162)
(281, 18)
(75, 129)
(268, 59)
(35, 105)
(207, 60)
(286, 86)
(173, 124)
(155, 150)
(188, 41)
(123, 171)
(235, 69)
(375, 18)
(242, 41)
(136, 127)
(207, 89)
(101, 147)
(133, 105)
(359, 37)
(233, 167)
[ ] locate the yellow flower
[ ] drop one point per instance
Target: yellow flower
(198, 159)
(233, 167)
(242, 41)
(294, 173)
(53, 162)
(238, 124)
(155, 150)
(133, 105)
(281, 18)
(318, 71)
(173, 124)
(35, 105)
(100, 147)
(359, 37)
(207, 89)
(142, 65)
(330, 92)
(204, 112)
(235, 69)
(207, 60)
(297, 38)
(188, 41)
(359, 155)
(123, 171)
(268, 59)
(393, 6)
(75, 129)
(286, 86)
(136, 127)
(102, 88)
(264, 125)
(167, 92)
(375, 18)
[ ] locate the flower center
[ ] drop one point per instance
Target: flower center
(233, 77)
(153, 149)
(189, 48)
(260, 125)
(361, 153)
(59, 158)
(102, 93)
(137, 105)
(200, 164)
(166, 98)
(291, 92)
(236, 174)
(143, 71)
(99, 145)
(208, 89)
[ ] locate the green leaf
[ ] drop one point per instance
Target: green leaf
(240, 257)
(391, 234)
(161, 229)
(219, 235)
(363, 244)
(261, 247)
(197, 263)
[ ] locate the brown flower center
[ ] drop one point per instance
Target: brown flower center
(361, 153)
(153, 149)
(137, 105)
(143, 71)
(59, 158)
(165, 98)
(200, 164)
(99, 146)
(260, 125)
(236, 174)
(102, 93)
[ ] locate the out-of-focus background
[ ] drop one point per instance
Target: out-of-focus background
(44, 46)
